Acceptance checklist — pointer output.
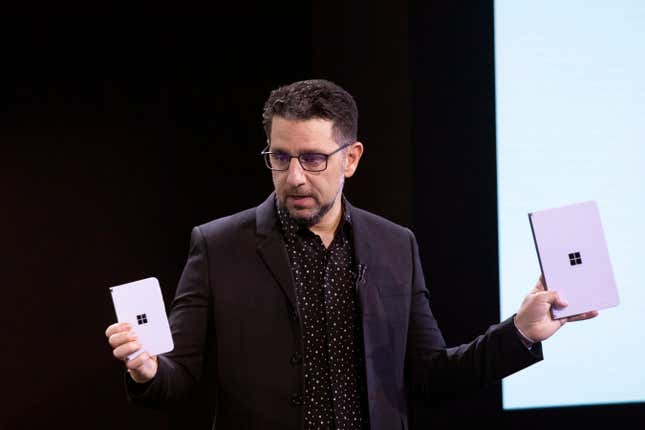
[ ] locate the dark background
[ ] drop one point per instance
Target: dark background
(118, 137)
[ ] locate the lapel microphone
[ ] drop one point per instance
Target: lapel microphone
(360, 275)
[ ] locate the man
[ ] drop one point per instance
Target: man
(311, 313)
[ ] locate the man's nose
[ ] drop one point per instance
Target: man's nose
(295, 173)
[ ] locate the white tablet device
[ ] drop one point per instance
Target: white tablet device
(574, 258)
(140, 303)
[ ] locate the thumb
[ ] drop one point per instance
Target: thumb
(553, 298)
(539, 286)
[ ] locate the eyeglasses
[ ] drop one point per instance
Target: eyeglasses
(309, 161)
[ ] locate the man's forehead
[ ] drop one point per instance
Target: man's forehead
(310, 123)
(306, 134)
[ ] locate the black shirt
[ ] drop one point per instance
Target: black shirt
(333, 361)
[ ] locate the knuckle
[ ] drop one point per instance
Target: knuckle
(117, 353)
(113, 328)
(115, 340)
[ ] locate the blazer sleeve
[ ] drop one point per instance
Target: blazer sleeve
(180, 369)
(433, 369)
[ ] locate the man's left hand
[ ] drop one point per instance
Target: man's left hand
(534, 317)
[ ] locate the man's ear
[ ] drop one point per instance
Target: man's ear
(354, 154)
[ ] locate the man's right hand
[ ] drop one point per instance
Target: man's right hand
(124, 342)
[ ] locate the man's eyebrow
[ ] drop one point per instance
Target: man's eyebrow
(305, 151)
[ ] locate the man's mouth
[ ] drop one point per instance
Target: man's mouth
(299, 198)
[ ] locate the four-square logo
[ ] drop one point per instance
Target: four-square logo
(142, 319)
(574, 258)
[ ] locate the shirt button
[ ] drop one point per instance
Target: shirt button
(296, 358)
(296, 399)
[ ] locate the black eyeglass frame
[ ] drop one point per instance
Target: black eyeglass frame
(266, 154)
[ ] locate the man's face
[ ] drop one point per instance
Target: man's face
(310, 196)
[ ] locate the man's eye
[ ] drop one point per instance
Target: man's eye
(313, 158)
(280, 157)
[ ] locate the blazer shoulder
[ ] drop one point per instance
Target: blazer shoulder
(384, 226)
(230, 226)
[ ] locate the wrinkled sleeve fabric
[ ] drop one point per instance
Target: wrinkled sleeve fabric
(180, 369)
(434, 370)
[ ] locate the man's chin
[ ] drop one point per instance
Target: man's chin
(303, 216)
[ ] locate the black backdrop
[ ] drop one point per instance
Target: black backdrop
(118, 137)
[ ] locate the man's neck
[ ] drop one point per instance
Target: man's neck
(327, 226)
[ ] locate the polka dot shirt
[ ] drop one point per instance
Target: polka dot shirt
(324, 280)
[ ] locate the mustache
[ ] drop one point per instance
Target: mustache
(298, 193)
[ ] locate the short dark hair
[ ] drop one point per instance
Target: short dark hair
(314, 98)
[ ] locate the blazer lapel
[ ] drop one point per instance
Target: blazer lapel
(271, 248)
(375, 329)
(362, 246)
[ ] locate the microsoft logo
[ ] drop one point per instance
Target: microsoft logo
(574, 258)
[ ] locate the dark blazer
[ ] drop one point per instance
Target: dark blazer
(234, 318)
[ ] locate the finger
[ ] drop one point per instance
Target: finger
(583, 316)
(117, 327)
(121, 337)
(124, 350)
